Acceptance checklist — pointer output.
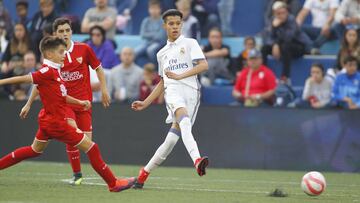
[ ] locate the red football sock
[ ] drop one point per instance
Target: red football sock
(16, 156)
(100, 166)
(74, 158)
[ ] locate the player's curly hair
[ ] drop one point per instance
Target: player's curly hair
(50, 43)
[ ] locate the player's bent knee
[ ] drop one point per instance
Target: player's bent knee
(39, 146)
(85, 144)
(72, 123)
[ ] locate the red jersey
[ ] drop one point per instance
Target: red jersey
(75, 71)
(52, 92)
(251, 82)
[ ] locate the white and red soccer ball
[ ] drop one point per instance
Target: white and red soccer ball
(313, 183)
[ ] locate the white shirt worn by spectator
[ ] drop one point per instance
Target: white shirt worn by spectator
(348, 8)
(320, 10)
(322, 91)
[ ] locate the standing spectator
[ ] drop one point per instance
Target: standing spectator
(256, 84)
(226, 9)
(103, 48)
(346, 91)
(249, 44)
(101, 15)
(350, 46)
(152, 32)
(218, 57)
(126, 77)
(348, 14)
(40, 20)
(6, 18)
(147, 85)
(18, 45)
(283, 39)
(317, 90)
(190, 27)
(22, 7)
(321, 30)
(293, 7)
(207, 14)
(124, 22)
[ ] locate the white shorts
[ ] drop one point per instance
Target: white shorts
(177, 96)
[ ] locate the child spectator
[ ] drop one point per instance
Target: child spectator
(350, 46)
(190, 27)
(152, 32)
(147, 85)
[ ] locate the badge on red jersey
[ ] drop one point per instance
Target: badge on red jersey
(79, 59)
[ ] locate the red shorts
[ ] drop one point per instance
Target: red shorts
(61, 131)
(83, 119)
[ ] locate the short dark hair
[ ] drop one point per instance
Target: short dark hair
(22, 3)
(101, 29)
(171, 12)
(350, 58)
(50, 43)
(60, 21)
(320, 66)
(215, 29)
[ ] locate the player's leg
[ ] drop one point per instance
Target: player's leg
(23, 153)
(78, 139)
(160, 155)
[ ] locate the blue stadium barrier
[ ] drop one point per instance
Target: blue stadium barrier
(217, 95)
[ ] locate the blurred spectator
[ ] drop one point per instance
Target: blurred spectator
(101, 15)
(317, 90)
(103, 48)
(29, 62)
(3, 39)
(350, 46)
(40, 20)
(124, 8)
(348, 14)
(48, 30)
(190, 27)
(293, 7)
(218, 57)
(226, 9)
(249, 44)
(283, 39)
(321, 30)
(6, 19)
(207, 14)
(255, 84)
(126, 77)
(147, 85)
(22, 7)
(346, 91)
(152, 32)
(19, 44)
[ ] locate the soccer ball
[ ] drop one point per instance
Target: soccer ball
(313, 183)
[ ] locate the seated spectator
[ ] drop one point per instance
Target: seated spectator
(103, 48)
(16, 65)
(249, 44)
(347, 15)
(350, 46)
(40, 20)
(126, 77)
(190, 27)
(283, 39)
(317, 90)
(218, 57)
(124, 22)
(147, 85)
(346, 91)
(321, 29)
(101, 15)
(3, 39)
(256, 84)
(152, 32)
(293, 6)
(19, 44)
(22, 7)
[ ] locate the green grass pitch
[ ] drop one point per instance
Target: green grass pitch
(47, 182)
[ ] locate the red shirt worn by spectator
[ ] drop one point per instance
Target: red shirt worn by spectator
(145, 89)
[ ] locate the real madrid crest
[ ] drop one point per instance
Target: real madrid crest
(182, 50)
(79, 59)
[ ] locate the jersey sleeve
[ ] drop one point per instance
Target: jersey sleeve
(39, 77)
(195, 50)
(160, 68)
(93, 61)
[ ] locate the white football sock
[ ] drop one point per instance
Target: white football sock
(188, 138)
(164, 150)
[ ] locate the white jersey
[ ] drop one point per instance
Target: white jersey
(178, 57)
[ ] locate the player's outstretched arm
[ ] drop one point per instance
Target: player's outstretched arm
(105, 97)
(141, 105)
(16, 80)
(201, 66)
(26, 108)
(84, 103)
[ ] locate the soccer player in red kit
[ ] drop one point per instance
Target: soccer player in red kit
(79, 56)
(52, 123)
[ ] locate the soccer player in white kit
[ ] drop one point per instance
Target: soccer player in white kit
(180, 61)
